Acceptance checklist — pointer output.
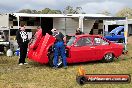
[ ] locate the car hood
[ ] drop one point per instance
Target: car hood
(46, 41)
(40, 53)
(116, 30)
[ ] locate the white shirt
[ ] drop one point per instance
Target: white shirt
(24, 35)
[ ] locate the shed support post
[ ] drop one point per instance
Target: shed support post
(81, 23)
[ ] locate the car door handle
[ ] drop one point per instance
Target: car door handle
(92, 47)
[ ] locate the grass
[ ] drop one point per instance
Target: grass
(35, 75)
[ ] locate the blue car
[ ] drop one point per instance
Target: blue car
(116, 35)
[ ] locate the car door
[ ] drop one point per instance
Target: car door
(81, 50)
(100, 47)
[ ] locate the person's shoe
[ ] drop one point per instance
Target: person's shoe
(65, 67)
(20, 63)
(55, 68)
(25, 63)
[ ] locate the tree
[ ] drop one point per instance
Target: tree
(77, 10)
(44, 11)
(57, 12)
(67, 10)
(27, 11)
(71, 10)
(34, 11)
(125, 12)
(49, 11)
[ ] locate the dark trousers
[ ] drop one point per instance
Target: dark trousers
(23, 52)
(1, 48)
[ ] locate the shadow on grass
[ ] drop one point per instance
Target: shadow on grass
(85, 63)
(36, 64)
(122, 58)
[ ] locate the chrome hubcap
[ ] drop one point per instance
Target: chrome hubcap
(108, 56)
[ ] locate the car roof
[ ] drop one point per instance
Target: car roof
(84, 35)
(87, 35)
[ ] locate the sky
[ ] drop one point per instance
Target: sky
(88, 6)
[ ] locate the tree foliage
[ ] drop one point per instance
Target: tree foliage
(125, 12)
(44, 11)
(67, 10)
(28, 11)
(49, 11)
(71, 10)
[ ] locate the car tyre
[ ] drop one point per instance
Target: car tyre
(51, 56)
(109, 57)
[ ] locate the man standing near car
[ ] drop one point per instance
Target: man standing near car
(22, 40)
(78, 31)
(59, 47)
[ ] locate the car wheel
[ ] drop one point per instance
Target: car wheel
(51, 56)
(81, 80)
(109, 57)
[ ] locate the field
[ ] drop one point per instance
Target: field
(35, 75)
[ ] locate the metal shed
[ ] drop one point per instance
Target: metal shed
(66, 23)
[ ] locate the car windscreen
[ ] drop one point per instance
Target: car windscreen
(71, 41)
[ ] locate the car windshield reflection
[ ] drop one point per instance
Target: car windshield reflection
(71, 41)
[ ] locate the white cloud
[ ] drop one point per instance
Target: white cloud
(109, 6)
(89, 6)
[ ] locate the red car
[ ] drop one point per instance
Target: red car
(79, 48)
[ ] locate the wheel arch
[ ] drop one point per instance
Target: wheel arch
(109, 52)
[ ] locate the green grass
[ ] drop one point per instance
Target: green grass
(35, 75)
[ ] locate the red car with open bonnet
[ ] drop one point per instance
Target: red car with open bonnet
(79, 48)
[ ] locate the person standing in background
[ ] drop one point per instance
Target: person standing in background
(22, 40)
(78, 31)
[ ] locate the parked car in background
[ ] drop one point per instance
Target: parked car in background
(79, 48)
(116, 34)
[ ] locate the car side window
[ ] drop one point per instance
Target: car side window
(100, 41)
(85, 41)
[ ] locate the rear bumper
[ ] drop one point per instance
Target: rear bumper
(38, 57)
